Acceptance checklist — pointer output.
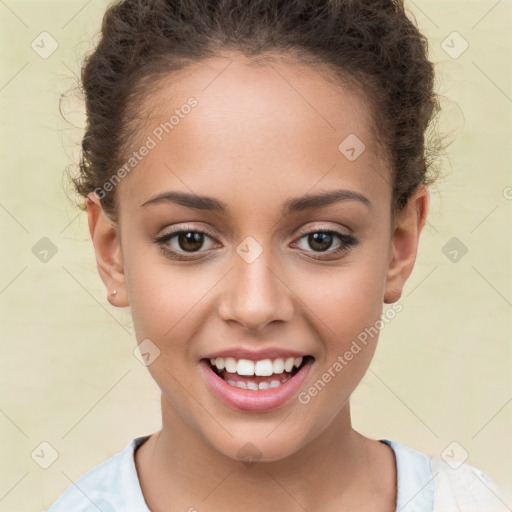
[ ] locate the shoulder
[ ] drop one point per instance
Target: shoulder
(110, 486)
(463, 487)
(430, 484)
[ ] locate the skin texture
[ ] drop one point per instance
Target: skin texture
(259, 135)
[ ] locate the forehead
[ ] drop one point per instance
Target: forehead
(266, 126)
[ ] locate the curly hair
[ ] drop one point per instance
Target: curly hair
(370, 44)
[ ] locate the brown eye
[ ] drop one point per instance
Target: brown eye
(320, 241)
(181, 243)
(189, 241)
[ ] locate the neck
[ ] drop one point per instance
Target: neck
(178, 468)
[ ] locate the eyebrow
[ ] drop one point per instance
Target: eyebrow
(290, 206)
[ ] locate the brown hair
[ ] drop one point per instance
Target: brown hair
(371, 44)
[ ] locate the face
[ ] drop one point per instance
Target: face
(278, 244)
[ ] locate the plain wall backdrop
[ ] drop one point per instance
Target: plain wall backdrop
(69, 377)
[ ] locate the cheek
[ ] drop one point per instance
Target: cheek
(345, 300)
(346, 306)
(165, 301)
(168, 307)
(159, 292)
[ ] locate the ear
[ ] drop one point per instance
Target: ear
(404, 243)
(107, 246)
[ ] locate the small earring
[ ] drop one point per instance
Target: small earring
(113, 292)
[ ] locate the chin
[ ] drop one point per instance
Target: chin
(254, 444)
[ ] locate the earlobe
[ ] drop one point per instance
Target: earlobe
(404, 243)
(107, 247)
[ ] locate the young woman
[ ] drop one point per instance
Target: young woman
(255, 175)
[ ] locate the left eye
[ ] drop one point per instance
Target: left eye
(322, 240)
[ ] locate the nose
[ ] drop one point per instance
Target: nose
(255, 294)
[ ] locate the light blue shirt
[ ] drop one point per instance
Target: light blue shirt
(424, 484)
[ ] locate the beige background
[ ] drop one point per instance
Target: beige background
(442, 372)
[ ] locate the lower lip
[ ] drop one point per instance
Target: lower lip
(255, 400)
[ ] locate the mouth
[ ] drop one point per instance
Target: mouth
(256, 375)
(256, 385)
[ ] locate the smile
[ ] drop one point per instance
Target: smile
(264, 373)
(256, 385)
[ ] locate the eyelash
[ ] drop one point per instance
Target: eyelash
(346, 240)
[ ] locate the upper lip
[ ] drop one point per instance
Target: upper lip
(256, 355)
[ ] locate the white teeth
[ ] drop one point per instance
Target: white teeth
(288, 365)
(278, 366)
(230, 364)
(262, 385)
(245, 367)
(264, 368)
(261, 368)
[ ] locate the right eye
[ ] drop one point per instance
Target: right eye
(180, 242)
